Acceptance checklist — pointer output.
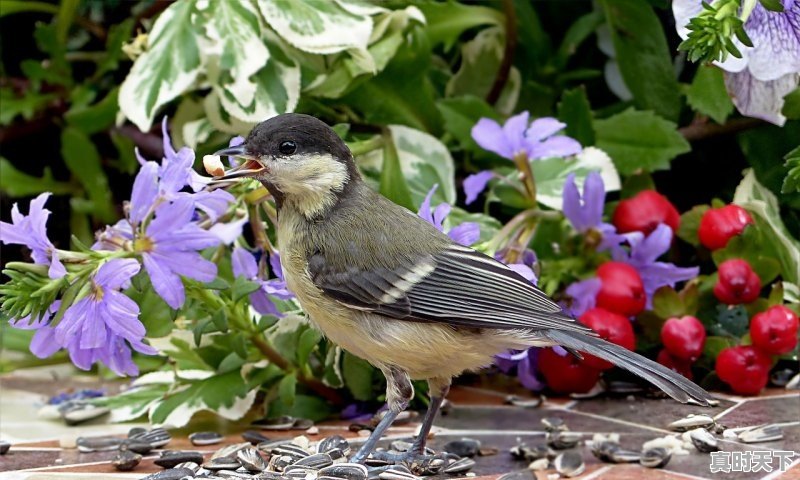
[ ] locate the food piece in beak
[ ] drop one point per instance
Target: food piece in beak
(213, 165)
(248, 168)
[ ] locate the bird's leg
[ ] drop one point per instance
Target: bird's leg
(399, 392)
(438, 388)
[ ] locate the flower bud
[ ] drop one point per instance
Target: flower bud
(737, 282)
(643, 213)
(719, 225)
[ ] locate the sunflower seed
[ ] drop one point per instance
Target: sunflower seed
(561, 440)
(316, 461)
(460, 466)
(280, 423)
(251, 459)
(400, 446)
(426, 466)
(518, 475)
(302, 424)
(761, 433)
(569, 464)
(337, 456)
(98, 444)
(234, 475)
(278, 462)
(270, 476)
(205, 438)
(4, 446)
(222, 463)
(552, 424)
(347, 471)
(171, 474)
(126, 460)
(190, 465)
(691, 421)
(254, 437)
(530, 453)
(171, 458)
(157, 437)
(397, 473)
(655, 457)
(541, 464)
(523, 402)
(142, 448)
(229, 450)
(703, 440)
(465, 447)
(290, 449)
(136, 431)
(76, 413)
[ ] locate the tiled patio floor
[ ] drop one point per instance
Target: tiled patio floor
(477, 413)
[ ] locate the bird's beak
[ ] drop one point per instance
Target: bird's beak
(248, 168)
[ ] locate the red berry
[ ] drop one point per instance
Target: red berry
(610, 326)
(566, 374)
(744, 368)
(684, 337)
(621, 290)
(719, 225)
(684, 367)
(774, 331)
(643, 213)
(737, 282)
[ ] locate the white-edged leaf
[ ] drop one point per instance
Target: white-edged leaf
(758, 200)
(273, 90)
(134, 402)
(321, 27)
(551, 173)
(424, 161)
(169, 67)
(480, 60)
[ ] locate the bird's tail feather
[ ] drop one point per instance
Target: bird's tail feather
(673, 384)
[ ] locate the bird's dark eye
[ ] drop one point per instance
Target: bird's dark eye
(288, 147)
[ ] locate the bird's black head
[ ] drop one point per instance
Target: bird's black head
(299, 158)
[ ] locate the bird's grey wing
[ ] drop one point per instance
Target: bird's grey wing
(457, 285)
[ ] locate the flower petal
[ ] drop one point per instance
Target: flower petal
(776, 41)
(594, 198)
(526, 371)
(144, 193)
(489, 135)
(228, 232)
(116, 273)
(584, 295)
(262, 304)
(571, 204)
(43, 344)
(514, 130)
(648, 249)
(425, 209)
(122, 316)
(475, 184)
(165, 282)
(542, 128)
(558, 146)
(764, 100)
(524, 271)
(465, 234)
(243, 263)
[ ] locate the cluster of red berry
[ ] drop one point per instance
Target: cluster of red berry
(745, 368)
(622, 296)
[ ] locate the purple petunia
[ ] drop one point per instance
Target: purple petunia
(517, 137)
(104, 325)
(767, 71)
(244, 264)
(643, 256)
(526, 362)
(465, 234)
(169, 247)
(30, 230)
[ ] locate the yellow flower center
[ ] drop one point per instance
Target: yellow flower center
(142, 244)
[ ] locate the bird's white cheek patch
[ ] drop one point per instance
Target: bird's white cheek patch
(310, 182)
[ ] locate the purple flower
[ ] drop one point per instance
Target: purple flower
(526, 362)
(584, 295)
(43, 344)
(169, 248)
(643, 255)
(244, 264)
(229, 232)
(30, 230)
(358, 412)
(518, 137)
(475, 184)
(584, 212)
(465, 234)
(524, 266)
(97, 327)
(768, 71)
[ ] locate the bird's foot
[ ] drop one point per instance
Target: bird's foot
(414, 460)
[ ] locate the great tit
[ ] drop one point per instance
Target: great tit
(390, 288)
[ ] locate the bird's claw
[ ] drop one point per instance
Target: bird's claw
(417, 462)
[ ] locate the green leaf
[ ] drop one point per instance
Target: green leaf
(134, 402)
(225, 394)
(287, 388)
(305, 406)
(446, 21)
(357, 375)
(575, 111)
(480, 61)
(791, 183)
(763, 205)
(667, 303)
(64, 18)
(308, 341)
(715, 345)
(707, 94)
(243, 287)
(9, 7)
(95, 118)
(168, 68)
(15, 183)
(155, 314)
(83, 161)
(220, 320)
(764, 147)
(320, 27)
(634, 184)
(772, 5)
(27, 106)
(577, 33)
(393, 184)
(690, 222)
(460, 114)
(643, 56)
(424, 162)
(638, 141)
(181, 353)
(551, 173)
(791, 105)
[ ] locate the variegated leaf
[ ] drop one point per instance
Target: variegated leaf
(169, 67)
(551, 173)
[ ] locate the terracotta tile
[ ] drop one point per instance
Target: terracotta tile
(19, 460)
(763, 410)
(657, 413)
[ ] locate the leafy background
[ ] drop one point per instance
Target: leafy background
(84, 83)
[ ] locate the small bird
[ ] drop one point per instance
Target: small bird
(388, 287)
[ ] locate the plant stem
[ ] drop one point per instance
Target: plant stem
(275, 358)
(524, 166)
(508, 53)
